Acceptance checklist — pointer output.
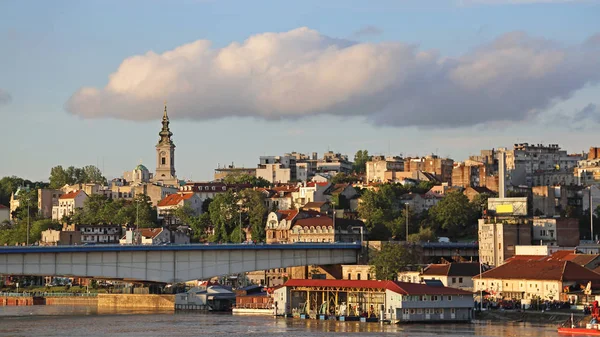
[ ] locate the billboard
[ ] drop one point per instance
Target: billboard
(508, 206)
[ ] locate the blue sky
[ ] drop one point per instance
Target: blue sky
(50, 50)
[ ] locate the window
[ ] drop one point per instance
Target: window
(349, 276)
(358, 276)
(507, 284)
(406, 311)
(368, 275)
(419, 311)
(460, 280)
(434, 298)
(449, 298)
(454, 280)
(452, 310)
(163, 161)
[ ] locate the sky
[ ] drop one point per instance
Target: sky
(84, 82)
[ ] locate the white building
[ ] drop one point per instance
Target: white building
(527, 279)
(146, 236)
(68, 203)
(397, 301)
(172, 202)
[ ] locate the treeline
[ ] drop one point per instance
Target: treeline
(386, 216)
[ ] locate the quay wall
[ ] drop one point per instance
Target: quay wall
(87, 301)
(133, 301)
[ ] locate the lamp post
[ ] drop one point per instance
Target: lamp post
(406, 204)
(28, 202)
(591, 216)
(481, 289)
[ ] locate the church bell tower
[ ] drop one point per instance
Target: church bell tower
(165, 154)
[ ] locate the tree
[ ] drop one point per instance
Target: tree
(73, 175)
(343, 178)
(92, 174)
(360, 161)
(246, 179)
(425, 234)
(379, 209)
(253, 204)
(9, 185)
(453, 214)
(391, 259)
(224, 215)
(480, 202)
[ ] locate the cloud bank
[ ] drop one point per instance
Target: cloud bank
(303, 73)
(5, 97)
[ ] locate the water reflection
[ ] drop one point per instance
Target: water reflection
(91, 321)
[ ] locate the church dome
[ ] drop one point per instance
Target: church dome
(141, 167)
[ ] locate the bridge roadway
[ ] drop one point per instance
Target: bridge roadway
(168, 263)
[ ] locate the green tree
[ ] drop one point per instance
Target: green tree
(28, 206)
(425, 234)
(74, 175)
(246, 179)
(453, 214)
(224, 215)
(253, 203)
(480, 202)
(343, 178)
(378, 209)
(9, 185)
(391, 259)
(92, 174)
(360, 161)
(38, 226)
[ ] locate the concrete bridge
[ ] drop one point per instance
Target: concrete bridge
(169, 263)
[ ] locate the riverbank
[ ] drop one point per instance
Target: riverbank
(538, 317)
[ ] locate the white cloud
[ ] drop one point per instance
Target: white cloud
(301, 73)
(5, 97)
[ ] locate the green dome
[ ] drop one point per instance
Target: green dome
(141, 167)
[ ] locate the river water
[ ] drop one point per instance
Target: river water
(89, 321)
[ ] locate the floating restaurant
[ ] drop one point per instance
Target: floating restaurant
(371, 300)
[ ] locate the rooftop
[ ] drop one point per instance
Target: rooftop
(403, 288)
(541, 270)
(174, 199)
(452, 269)
(70, 195)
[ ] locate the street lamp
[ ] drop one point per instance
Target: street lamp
(406, 204)
(28, 202)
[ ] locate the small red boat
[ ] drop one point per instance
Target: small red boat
(578, 331)
(586, 327)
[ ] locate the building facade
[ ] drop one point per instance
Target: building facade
(396, 301)
(68, 203)
(47, 198)
(499, 237)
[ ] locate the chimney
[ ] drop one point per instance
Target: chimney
(501, 174)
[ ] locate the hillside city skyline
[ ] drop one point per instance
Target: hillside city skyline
(474, 75)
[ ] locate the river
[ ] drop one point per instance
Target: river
(88, 321)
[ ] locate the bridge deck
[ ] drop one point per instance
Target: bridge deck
(189, 247)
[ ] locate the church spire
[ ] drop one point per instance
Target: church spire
(165, 134)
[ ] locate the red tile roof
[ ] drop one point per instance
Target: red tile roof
(150, 232)
(560, 255)
(453, 269)
(174, 199)
(70, 195)
(313, 184)
(289, 214)
(316, 221)
(526, 258)
(541, 270)
(314, 204)
(403, 288)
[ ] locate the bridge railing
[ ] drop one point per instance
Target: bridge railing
(45, 294)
